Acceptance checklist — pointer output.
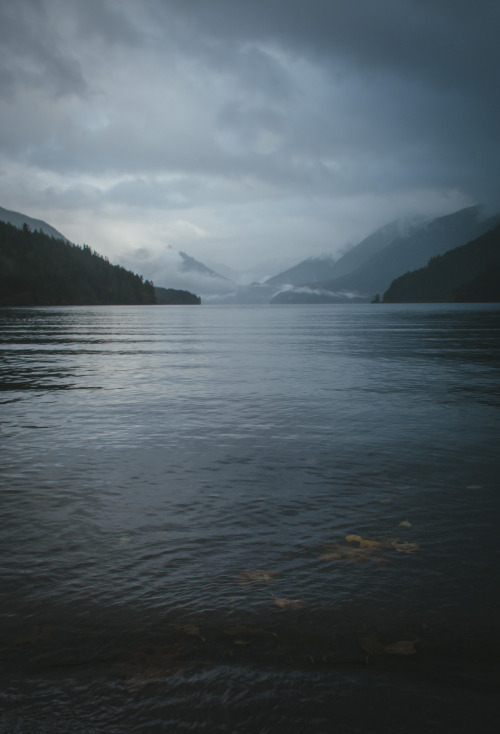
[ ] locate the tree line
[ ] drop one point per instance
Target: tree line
(38, 270)
(470, 273)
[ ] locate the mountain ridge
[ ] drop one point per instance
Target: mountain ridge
(17, 219)
(410, 252)
(299, 275)
(39, 266)
(367, 269)
(402, 254)
(37, 269)
(469, 273)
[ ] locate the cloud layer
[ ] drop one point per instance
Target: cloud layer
(241, 132)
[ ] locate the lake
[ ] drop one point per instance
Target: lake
(250, 519)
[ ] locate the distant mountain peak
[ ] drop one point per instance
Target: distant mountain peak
(387, 253)
(321, 268)
(191, 265)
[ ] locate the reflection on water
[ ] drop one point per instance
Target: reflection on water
(214, 512)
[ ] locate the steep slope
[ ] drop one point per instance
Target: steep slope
(413, 251)
(190, 265)
(19, 220)
(320, 269)
(38, 270)
(173, 297)
(467, 273)
(307, 271)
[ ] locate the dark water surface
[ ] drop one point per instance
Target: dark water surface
(254, 519)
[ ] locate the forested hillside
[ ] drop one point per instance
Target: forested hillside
(175, 297)
(414, 250)
(470, 273)
(38, 270)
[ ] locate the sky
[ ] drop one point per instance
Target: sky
(248, 133)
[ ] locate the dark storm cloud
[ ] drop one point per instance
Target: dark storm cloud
(446, 42)
(422, 74)
(287, 113)
(31, 55)
(106, 21)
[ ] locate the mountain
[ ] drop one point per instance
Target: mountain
(171, 268)
(311, 270)
(316, 270)
(39, 270)
(470, 273)
(19, 220)
(35, 292)
(302, 283)
(173, 297)
(413, 251)
(407, 252)
(190, 265)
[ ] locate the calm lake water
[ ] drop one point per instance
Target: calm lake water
(249, 519)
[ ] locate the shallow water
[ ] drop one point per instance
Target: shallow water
(177, 487)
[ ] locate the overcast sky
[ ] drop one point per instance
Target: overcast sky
(243, 131)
